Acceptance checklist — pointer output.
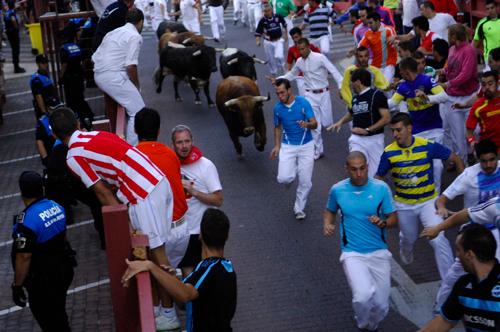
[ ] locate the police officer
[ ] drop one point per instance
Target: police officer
(72, 76)
(12, 31)
(42, 258)
(42, 88)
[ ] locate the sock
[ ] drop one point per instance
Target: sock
(169, 312)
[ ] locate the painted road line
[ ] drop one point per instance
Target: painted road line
(79, 224)
(5, 162)
(10, 196)
(18, 132)
(18, 93)
(31, 108)
(71, 291)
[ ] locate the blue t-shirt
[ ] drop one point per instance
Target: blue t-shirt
(289, 116)
(356, 204)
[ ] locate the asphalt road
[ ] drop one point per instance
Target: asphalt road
(289, 277)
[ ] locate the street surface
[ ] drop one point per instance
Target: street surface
(289, 276)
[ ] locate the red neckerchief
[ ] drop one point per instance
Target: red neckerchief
(311, 9)
(194, 155)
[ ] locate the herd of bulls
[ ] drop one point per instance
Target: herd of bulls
(185, 55)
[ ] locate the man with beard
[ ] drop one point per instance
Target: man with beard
(475, 298)
(485, 111)
(202, 188)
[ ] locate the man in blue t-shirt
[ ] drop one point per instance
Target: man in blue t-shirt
(365, 258)
(293, 121)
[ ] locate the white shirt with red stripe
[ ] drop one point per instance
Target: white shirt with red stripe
(99, 155)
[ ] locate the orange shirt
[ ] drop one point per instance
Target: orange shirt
(166, 160)
(384, 54)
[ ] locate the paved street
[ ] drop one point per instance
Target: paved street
(289, 277)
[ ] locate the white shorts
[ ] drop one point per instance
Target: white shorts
(177, 243)
(153, 214)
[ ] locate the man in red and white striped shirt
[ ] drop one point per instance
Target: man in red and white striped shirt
(101, 159)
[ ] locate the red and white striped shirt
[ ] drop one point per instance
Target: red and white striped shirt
(99, 155)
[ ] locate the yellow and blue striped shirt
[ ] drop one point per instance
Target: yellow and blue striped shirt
(411, 169)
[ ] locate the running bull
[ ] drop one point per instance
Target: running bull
(196, 63)
(168, 26)
(240, 104)
(234, 62)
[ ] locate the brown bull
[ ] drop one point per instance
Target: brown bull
(182, 38)
(239, 102)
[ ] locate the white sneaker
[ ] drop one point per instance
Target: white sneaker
(406, 257)
(301, 215)
(164, 323)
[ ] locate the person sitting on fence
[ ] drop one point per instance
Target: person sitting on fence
(210, 290)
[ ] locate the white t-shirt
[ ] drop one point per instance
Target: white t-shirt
(476, 186)
(486, 213)
(410, 11)
(188, 11)
(119, 48)
(440, 24)
(206, 179)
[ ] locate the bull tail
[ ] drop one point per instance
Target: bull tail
(158, 78)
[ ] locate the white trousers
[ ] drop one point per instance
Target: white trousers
(254, 14)
(301, 88)
(153, 215)
(323, 43)
(177, 243)
(322, 107)
(388, 72)
(369, 276)
(435, 135)
(192, 25)
(371, 146)
(240, 11)
(454, 125)
(297, 161)
(455, 272)
(119, 87)
(289, 26)
(408, 217)
(217, 21)
(274, 55)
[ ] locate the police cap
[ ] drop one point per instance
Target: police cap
(40, 58)
(31, 184)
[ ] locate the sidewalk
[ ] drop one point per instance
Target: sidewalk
(26, 58)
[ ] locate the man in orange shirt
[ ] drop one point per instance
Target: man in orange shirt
(486, 111)
(147, 128)
(378, 40)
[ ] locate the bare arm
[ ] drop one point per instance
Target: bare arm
(457, 219)
(178, 290)
(22, 264)
(441, 206)
(277, 143)
(328, 223)
(438, 324)
(337, 125)
(132, 74)
(41, 103)
(104, 194)
(458, 162)
(385, 119)
(215, 198)
(41, 149)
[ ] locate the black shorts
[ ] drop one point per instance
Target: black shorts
(193, 252)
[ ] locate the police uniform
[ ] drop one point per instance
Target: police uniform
(44, 134)
(71, 55)
(40, 230)
(12, 33)
(42, 84)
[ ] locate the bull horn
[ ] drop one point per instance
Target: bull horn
(175, 45)
(231, 102)
(207, 38)
(219, 49)
(196, 53)
(257, 60)
(232, 61)
(262, 98)
(187, 40)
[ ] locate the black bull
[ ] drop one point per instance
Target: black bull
(194, 62)
(240, 104)
(234, 62)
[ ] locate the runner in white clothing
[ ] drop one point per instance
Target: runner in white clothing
(315, 67)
